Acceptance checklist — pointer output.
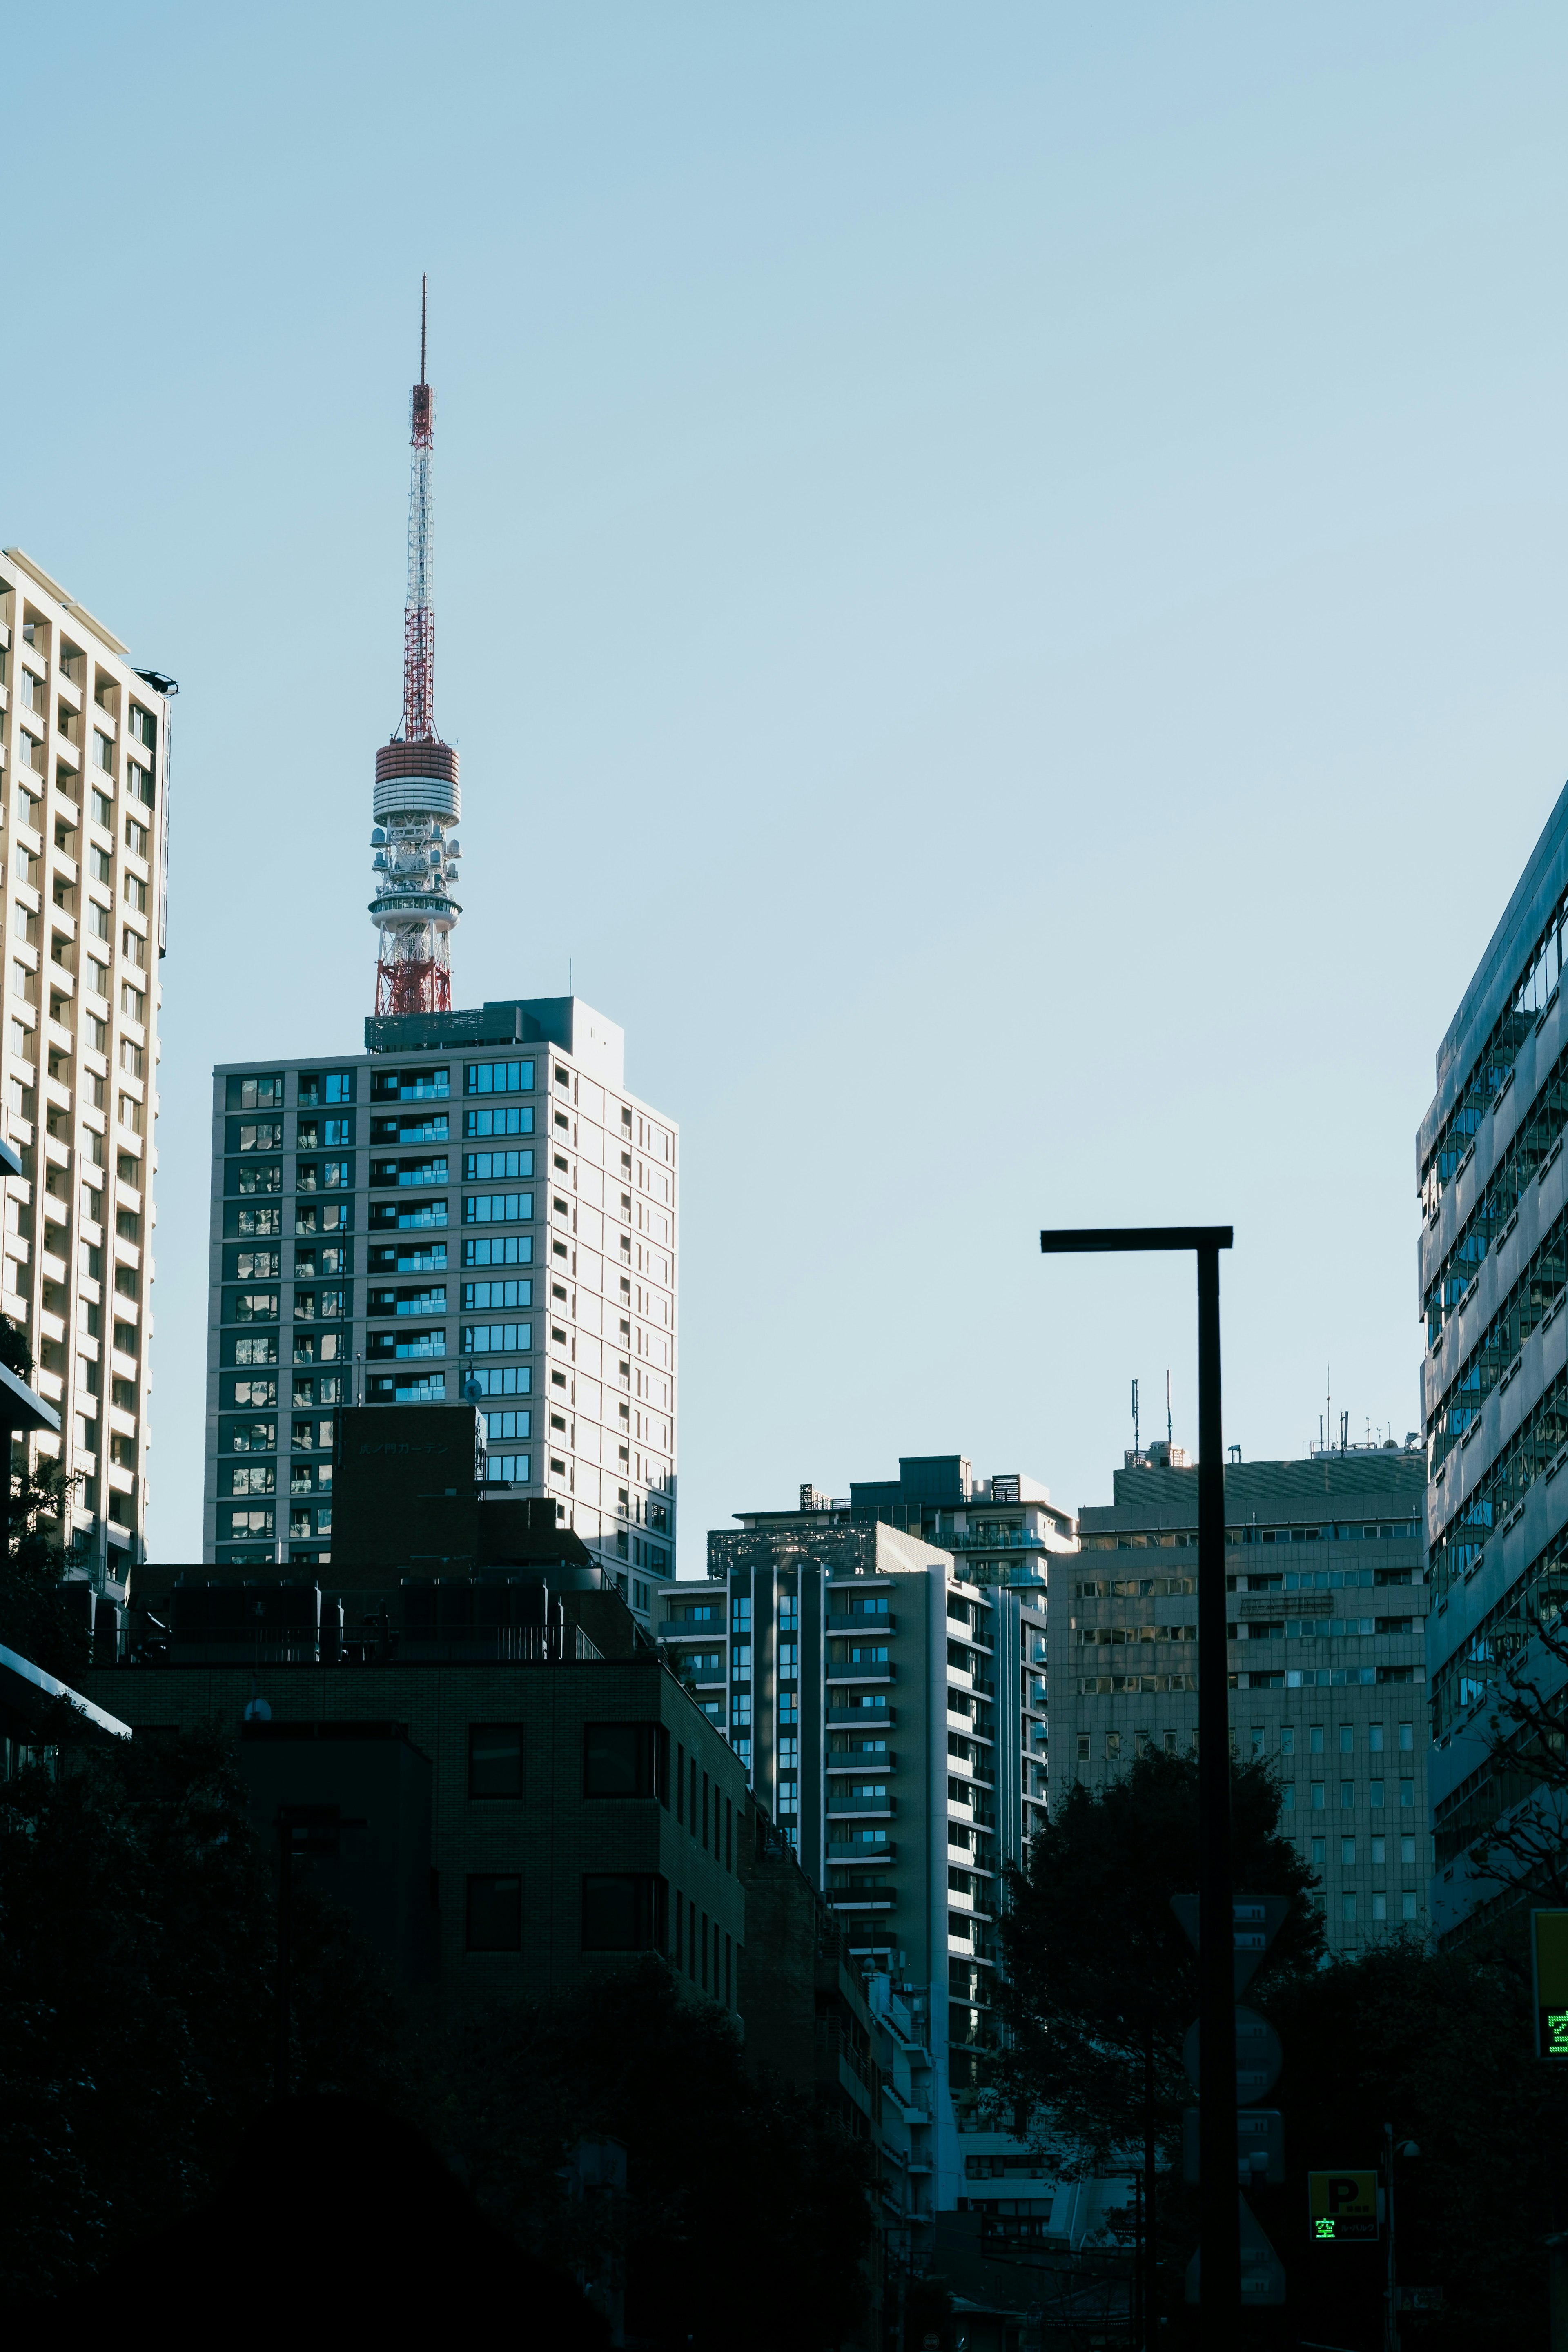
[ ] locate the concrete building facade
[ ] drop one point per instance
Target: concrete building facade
(1326, 1560)
(1493, 1182)
(474, 1209)
(84, 753)
(573, 1804)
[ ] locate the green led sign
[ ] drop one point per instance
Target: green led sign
(1549, 1950)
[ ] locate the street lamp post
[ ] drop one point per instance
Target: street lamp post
(1220, 2240)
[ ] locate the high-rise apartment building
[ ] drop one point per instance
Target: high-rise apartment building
(1326, 1561)
(878, 1665)
(1493, 1270)
(84, 750)
(476, 1210)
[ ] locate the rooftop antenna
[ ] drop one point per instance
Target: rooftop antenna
(417, 801)
(1169, 1433)
(1344, 1430)
(1135, 1447)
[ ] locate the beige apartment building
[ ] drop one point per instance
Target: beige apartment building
(84, 752)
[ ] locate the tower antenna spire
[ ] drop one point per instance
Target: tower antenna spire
(418, 800)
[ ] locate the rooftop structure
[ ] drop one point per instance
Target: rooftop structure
(417, 796)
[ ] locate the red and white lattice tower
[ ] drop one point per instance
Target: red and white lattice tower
(417, 798)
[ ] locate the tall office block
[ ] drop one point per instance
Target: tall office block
(474, 1209)
(876, 1664)
(84, 743)
(1493, 1267)
(1326, 1561)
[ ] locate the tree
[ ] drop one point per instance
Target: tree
(1525, 1805)
(15, 1352)
(137, 1941)
(1099, 1981)
(730, 2179)
(37, 1617)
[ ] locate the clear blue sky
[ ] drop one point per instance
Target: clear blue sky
(999, 581)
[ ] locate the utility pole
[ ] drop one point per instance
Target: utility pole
(1220, 2203)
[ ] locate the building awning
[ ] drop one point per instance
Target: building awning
(26, 1691)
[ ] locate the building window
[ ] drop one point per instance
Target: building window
(1287, 1796)
(1318, 1796)
(498, 1078)
(501, 1427)
(1376, 1793)
(1407, 1906)
(495, 1759)
(1347, 1907)
(501, 1249)
(1347, 1794)
(498, 1208)
(623, 1912)
(624, 1759)
(1407, 1792)
(517, 1118)
(496, 1339)
(495, 1914)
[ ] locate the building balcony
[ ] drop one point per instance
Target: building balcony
(842, 1849)
(870, 1628)
(999, 1539)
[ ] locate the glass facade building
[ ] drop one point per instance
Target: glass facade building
(1493, 1182)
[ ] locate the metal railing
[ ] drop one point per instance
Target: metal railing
(370, 1645)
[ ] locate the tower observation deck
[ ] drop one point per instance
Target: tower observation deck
(419, 800)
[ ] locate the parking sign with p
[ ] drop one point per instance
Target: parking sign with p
(1343, 2206)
